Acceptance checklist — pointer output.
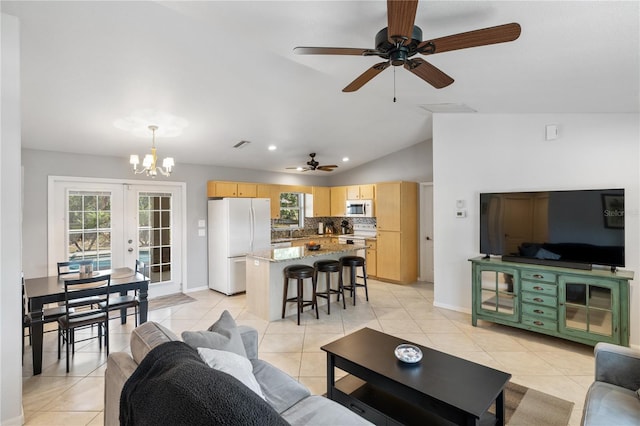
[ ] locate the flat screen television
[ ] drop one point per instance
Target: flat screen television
(575, 228)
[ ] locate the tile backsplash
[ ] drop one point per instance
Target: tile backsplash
(311, 226)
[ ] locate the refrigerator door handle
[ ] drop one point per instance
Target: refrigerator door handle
(251, 227)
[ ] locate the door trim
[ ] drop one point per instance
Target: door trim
(423, 262)
(52, 180)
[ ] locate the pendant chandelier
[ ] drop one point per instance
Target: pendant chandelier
(149, 166)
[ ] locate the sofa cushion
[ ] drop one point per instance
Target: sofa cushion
(280, 390)
(318, 410)
(223, 335)
(146, 337)
(608, 404)
(234, 364)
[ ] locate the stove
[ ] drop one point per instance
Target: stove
(360, 233)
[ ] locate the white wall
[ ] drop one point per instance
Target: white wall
(38, 165)
(412, 164)
(476, 153)
(10, 291)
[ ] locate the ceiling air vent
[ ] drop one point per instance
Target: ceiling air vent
(241, 144)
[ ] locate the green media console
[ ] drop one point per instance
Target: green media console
(585, 306)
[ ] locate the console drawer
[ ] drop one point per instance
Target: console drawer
(536, 287)
(539, 311)
(538, 276)
(540, 322)
(539, 299)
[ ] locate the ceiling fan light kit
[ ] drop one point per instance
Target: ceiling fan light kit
(402, 39)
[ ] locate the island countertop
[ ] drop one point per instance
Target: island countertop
(284, 254)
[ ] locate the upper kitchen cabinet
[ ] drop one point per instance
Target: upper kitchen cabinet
(318, 204)
(231, 189)
(388, 206)
(273, 193)
(338, 200)
(361, 192)
(397, 222)
(297, 188)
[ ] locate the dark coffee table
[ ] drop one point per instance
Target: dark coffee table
(439, 389)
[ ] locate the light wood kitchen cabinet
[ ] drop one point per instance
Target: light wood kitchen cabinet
(231, 189)
(222, 189)
(273, 193)
(320, 202)
(338, 200)
(397, 237)
(388, 206)
(247, 190)
(372, 257)
(297, 188)
(360, 192)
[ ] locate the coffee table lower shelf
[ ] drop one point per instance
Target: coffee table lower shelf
(383, 408)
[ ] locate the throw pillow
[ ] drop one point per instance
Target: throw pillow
(222, 335)
(233, 364)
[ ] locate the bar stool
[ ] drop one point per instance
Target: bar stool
(300, 273)
(354, 262)
(328, 266)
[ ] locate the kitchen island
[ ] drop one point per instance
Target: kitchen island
(265, 276)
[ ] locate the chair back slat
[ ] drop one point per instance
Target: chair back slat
(72, 286)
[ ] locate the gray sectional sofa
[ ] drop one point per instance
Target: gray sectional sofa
(290, 399)
(614, 397)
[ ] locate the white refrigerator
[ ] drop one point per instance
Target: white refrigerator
(236, 226)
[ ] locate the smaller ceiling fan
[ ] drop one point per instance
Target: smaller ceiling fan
(314, 165)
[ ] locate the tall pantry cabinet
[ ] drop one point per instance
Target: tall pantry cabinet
(397, 238)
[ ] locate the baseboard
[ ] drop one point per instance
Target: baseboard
(191, 290)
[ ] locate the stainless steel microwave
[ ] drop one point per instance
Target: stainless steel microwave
(359, 208)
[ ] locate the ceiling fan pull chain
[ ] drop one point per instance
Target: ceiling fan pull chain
(394, 84)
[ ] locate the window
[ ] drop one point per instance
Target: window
(89, 227)
(291, 209)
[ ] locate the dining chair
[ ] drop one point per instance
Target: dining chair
(73, 267)
(128, 300)
(70, 321)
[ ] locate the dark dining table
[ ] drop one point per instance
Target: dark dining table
(43, 290)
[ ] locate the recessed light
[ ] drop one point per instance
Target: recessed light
(345, 159)
(299, 169)
(272, 147)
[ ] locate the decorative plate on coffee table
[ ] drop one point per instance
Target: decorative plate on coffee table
(408, 353)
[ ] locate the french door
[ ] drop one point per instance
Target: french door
(114, 224)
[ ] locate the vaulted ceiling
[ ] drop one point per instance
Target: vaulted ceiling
(228, 69)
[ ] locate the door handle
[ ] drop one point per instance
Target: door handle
(130, 249)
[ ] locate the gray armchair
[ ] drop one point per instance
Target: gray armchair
(613, 397)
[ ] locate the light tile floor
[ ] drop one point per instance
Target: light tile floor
(551, 365)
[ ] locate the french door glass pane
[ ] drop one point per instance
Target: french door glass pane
(89, 227)
(154, 234)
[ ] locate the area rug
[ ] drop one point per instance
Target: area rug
(170, 300)
(524, 407)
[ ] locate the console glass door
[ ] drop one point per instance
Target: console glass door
(497, 292)
(588, 307)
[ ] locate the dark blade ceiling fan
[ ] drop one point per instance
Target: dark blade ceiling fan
(401, 40)
(314, 165)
